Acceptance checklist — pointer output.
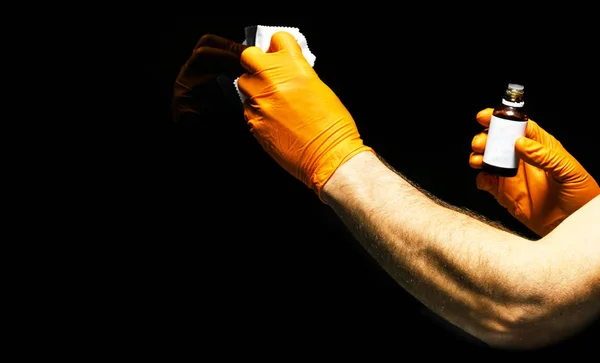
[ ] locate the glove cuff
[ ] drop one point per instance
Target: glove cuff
(328, 168)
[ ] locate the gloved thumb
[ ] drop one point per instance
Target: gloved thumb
(542, 157)
(283, 40)
(487, 182)
(250, 59)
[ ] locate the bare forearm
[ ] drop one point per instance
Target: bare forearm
(477, 276)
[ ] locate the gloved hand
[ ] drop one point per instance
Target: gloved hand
(298, 120)
(196, 91)
(549, 186)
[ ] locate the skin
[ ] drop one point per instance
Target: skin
(506, 290)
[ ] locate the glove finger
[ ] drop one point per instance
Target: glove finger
(479, 141)
(252, 59)
(215, 41)
(534, 131)
(248, 85)
(283, 40)
(554, 163)
(484, 116)
(488, 183)
(475, 160)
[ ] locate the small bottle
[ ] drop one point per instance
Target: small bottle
(508, 123)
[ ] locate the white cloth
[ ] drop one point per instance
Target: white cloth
(262, 38)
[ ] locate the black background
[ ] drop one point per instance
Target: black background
(219, 249)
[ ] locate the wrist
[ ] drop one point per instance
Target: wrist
(348, 175)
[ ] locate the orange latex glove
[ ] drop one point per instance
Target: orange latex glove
(296, 118)
(549, 186)
(196, 92)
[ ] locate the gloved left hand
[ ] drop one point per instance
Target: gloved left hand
(550, 184)
(196, 91)
(296, 117)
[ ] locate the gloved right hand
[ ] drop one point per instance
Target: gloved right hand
(297, 119)
(549, 186)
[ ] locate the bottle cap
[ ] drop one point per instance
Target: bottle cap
(515, 86)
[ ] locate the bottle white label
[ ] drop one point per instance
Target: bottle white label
(500, 145)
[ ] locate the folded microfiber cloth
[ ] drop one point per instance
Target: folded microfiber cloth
(260, 36)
